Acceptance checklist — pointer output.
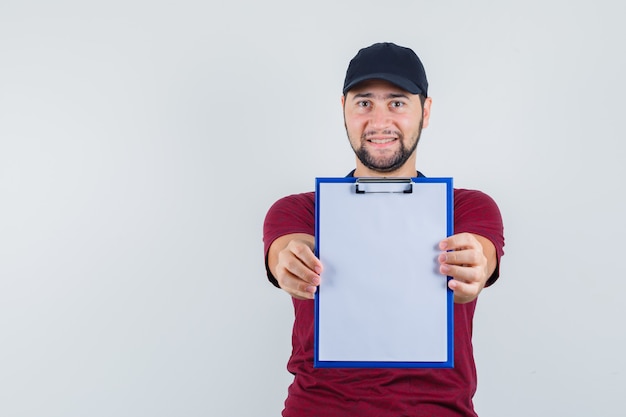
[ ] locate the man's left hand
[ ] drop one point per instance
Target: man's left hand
(470, 260)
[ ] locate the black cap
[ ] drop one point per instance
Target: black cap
(390, 62)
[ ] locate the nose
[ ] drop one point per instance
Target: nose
(380, 118)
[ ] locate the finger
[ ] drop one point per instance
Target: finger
(464, 292)
(298, 270)
(461, 257)
(305, 254)
(299, 260)
(295, 277)
(295, 286)
(454, 271)
(462, 273)
(299, 289)
(459, 241)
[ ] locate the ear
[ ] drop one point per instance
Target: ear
(426, 112)
(343, 101)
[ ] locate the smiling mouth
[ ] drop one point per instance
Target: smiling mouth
(381, 141)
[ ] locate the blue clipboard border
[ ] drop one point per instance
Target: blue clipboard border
(449, 363)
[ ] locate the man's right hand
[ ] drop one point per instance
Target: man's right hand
(292, 262)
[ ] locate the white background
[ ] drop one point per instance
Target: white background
(142, 142)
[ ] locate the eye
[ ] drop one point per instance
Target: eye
(363, 103)
(397, 104)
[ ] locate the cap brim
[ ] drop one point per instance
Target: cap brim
(401, 82)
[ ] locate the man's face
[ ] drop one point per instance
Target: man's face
(384, 123)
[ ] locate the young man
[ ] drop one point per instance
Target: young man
(385, 104)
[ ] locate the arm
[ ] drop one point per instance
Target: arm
(292, 262)
(470, 259)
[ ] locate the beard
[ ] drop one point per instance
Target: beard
(391, 162)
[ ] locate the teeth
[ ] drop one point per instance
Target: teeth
(380, 141)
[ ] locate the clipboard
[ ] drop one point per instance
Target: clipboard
(382, 302)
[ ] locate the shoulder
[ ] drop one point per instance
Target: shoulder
(291, 210)
(464, 195)
(291, 214)
(476, 212)
(473, 200)
(295, 201)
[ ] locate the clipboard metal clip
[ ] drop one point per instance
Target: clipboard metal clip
(384, 185)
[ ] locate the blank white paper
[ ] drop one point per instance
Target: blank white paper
(382, 298)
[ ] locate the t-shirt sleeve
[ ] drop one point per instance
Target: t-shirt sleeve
(475, 212)
(291, 214)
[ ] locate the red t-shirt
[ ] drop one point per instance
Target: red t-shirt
(332, 392)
